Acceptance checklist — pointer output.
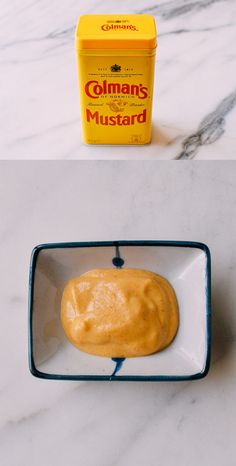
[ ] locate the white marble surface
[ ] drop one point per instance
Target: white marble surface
(195, 93)
(116, 424)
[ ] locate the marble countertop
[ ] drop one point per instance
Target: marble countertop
(116, 424)
(195, 90)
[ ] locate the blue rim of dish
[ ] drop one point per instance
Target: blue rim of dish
(128, 378)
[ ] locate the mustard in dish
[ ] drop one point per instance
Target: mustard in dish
(120, 312)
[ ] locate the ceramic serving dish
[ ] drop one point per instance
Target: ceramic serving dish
(185, 264)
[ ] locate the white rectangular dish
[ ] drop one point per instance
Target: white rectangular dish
(186, 265)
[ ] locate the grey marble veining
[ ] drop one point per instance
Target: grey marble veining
(122, 424)
(172, 9)
(194, 102)
(210, 129)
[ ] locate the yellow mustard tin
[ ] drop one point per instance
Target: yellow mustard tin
(116, 62)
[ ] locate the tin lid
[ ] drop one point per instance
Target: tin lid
(116, 32)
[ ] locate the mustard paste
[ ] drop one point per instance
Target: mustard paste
(119, 312)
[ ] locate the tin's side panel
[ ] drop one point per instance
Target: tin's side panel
(116, 98)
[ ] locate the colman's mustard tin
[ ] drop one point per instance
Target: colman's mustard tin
(116, 61)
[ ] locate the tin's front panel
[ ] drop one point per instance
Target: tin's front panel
(116, 97)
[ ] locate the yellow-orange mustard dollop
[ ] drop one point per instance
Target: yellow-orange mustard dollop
(119, 312)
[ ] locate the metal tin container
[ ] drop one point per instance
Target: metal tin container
(116, 61)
